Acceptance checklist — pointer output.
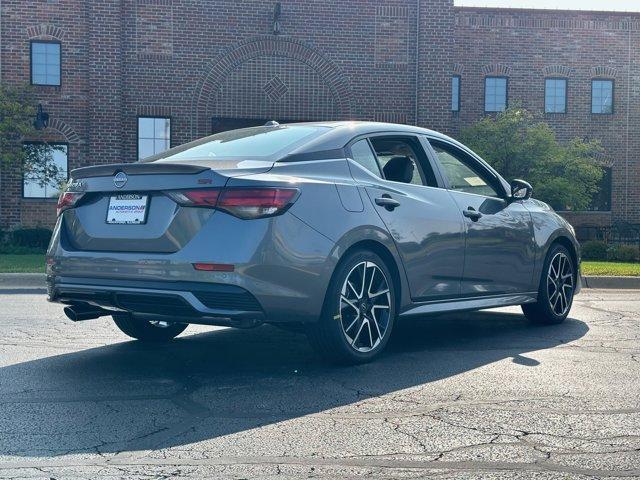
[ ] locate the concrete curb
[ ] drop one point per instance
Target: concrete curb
(612, 282)
(11, 281)
(22, 280)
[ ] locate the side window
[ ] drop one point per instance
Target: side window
(402, 160)
(362, 154)
(461, 174)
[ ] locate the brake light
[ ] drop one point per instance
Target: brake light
(256, 202)
(67, 200)
(196, 198)
(245, 203)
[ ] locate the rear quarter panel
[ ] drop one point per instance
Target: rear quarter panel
(331, 204)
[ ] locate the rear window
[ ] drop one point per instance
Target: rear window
(259, 143)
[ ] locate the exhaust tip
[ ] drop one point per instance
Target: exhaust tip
(71, 314)
(78, 313)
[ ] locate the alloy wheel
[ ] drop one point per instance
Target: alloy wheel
(560, 284)
(365, 306)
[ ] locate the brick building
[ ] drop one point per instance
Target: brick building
(123, 78)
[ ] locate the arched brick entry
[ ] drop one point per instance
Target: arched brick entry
(270, 76)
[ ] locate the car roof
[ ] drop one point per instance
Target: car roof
(339, 133)
(329, 142)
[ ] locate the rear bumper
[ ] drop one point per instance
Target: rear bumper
(190, 302)
(281, 271)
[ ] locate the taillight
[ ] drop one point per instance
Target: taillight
(245, 203)
(67, 200)
(196, 198)
(256, 203)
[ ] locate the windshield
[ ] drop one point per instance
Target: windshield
(258, 143)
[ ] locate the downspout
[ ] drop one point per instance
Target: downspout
(0, 41)
(417, 80)
(626, 161)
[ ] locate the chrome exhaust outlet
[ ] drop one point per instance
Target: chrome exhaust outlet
(77, 313)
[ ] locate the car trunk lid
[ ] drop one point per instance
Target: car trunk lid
(119, 193)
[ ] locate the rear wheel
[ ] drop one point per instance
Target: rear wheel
(359, 310)
(148, 330)
(557, 286)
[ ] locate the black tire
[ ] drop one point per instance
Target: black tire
(146, 331)
(551, 309)
(330, 335)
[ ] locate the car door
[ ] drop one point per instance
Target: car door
(499, 252)
(422, 218)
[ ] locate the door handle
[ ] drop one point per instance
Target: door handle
(387, 202)
(472, 213)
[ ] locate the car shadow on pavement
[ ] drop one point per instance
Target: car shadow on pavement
(130, 397)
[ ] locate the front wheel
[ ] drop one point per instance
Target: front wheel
(359, 310)
(557, 286)
(148, 330)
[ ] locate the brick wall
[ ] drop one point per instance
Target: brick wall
(64, 21)
(194, 60)
(388, 61)
(528, 46)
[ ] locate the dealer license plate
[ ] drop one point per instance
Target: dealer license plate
(127, 209)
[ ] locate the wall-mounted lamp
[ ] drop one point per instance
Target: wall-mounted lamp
(277, 11)
(42, 119)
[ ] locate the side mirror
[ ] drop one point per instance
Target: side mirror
(521, 190)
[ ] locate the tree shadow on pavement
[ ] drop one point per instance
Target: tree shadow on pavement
(130, 396)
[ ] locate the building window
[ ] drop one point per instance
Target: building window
(45, 63)
(154, 136)
(555, 95)
(602, 97)
(45, 169)
(455, 93)
(495, 94)
(601, 201)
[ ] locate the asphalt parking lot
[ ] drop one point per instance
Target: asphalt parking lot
(483, 395)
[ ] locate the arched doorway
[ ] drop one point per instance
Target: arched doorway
(269, 78)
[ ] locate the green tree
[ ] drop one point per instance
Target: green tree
(520, 145)
(17, 113)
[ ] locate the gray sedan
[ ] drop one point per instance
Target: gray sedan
(338, 229)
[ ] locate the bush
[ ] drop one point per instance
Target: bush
(624, 253)
(37, 238)
(594, 250)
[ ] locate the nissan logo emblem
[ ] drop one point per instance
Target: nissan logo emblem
(120, 179)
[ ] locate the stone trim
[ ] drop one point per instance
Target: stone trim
(458, 69)
(604, 160)
(515, 20)
(604, 72)
(45, 31)
(497, 69)
(64, 129)
(557, 71)
(153, 111)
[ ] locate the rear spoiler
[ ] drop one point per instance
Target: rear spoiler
(137, 169)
